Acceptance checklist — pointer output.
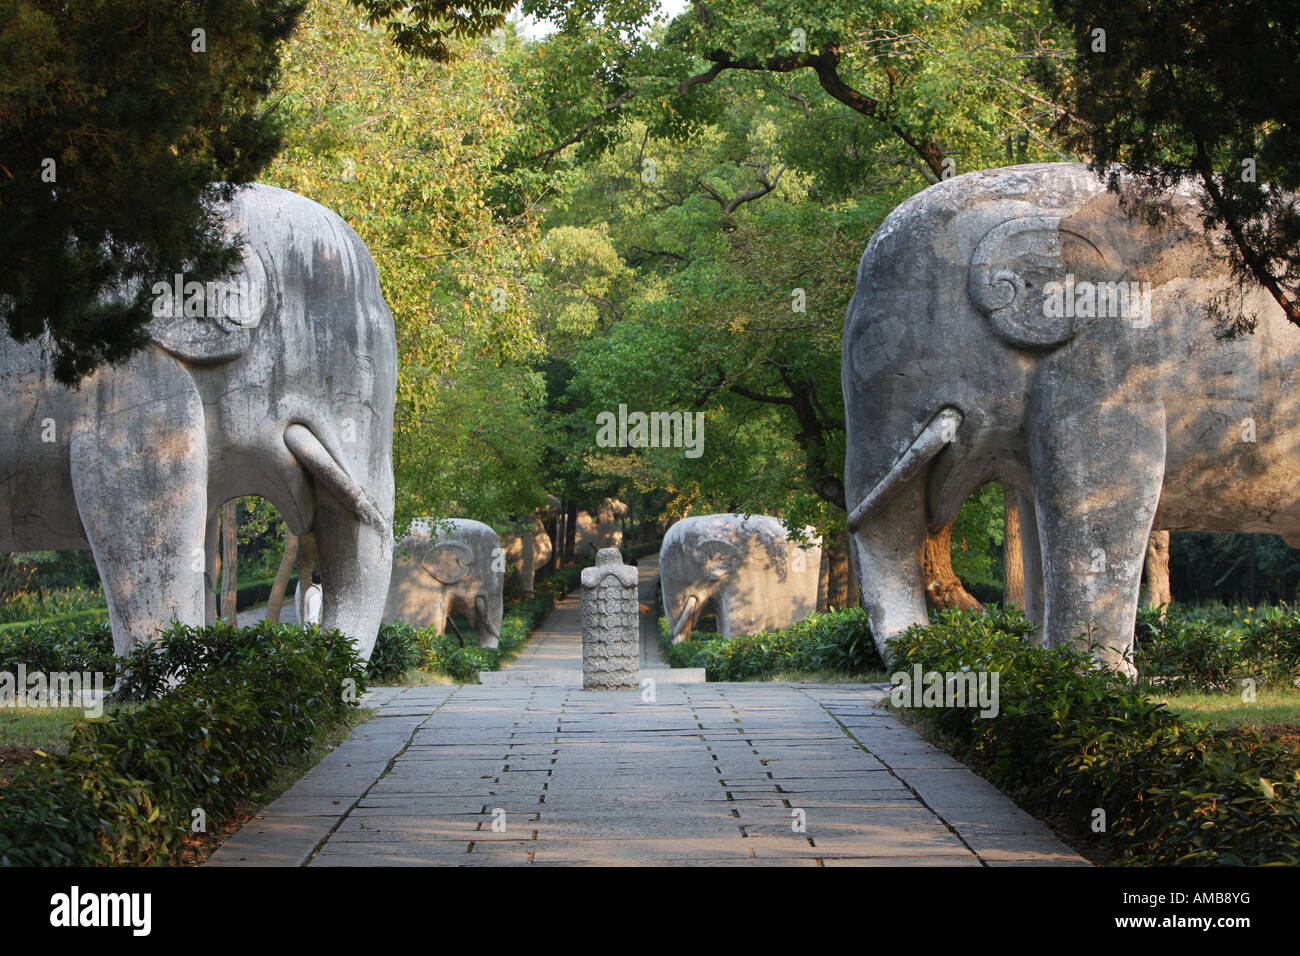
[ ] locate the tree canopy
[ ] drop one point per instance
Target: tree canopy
(116, 120)
(406, 150)
(1200, 90)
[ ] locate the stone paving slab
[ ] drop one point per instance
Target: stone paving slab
(705, 775)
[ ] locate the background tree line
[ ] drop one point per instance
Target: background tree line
(663, 213)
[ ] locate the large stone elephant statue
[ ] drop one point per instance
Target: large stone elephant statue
(1017, 324)
(447, 566)
(528, 549)
(602, 530)
(747, 569)
(282, 388)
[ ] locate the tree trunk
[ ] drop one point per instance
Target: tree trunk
(229, 561)
(1158, 593)
(942, 586)
(1013, 558)
(836, 586)
(308, 561)
(282, 575)
(571, 533)
(557, 541)
(823, 578)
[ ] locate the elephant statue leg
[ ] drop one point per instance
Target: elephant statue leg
(139, 474)
(355, 559)
(889, 551)
(1098, 467)
(729, 624)
(1031, 554)
(487, 625)
(438, 613)
(1158, 594)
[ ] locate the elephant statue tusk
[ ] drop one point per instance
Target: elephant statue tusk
(941, 430)
(321, 465)
(687, 607)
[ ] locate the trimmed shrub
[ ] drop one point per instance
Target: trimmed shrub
(61, 622)
(1214, 649)
(32, 604)
(834, 640)
(256, 592)
(252, 700)
(56, 646)
(1069, 738)
(247, 595)
(396, 651)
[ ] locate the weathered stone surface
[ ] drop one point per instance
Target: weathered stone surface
(602, 530)
(988, 340)
(445, 566)
(528, 551)
(611, 626)
(746, 569)
(289, 396)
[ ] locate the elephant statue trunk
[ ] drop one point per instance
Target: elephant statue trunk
(684, 622)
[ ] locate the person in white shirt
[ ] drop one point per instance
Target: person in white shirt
(311, 601)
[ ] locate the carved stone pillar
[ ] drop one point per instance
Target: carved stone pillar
(611, 628)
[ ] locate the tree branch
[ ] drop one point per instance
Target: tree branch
(549, 154)
(825, 64)
(1254, 261)
(765, 186)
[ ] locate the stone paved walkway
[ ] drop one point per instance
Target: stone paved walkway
(535, 771)
(705, 774)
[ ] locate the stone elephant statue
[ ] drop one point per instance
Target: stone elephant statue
(1016, 324)
(528, 549)
(748, 569)
(445, 566)
(604, 529)
(278, 382)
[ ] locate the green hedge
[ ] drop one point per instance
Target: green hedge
(72, 619)
(834, 640)
(246, 596)
(54, 646)
(1215, 649)
(1069, 738)
(252, 700)
(257, 592)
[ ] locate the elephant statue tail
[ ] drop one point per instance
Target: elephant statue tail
(941, 430)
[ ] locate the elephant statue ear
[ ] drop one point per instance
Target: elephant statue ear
(1016, 275)
(718, 558)
(213, 322)
(448, 561)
